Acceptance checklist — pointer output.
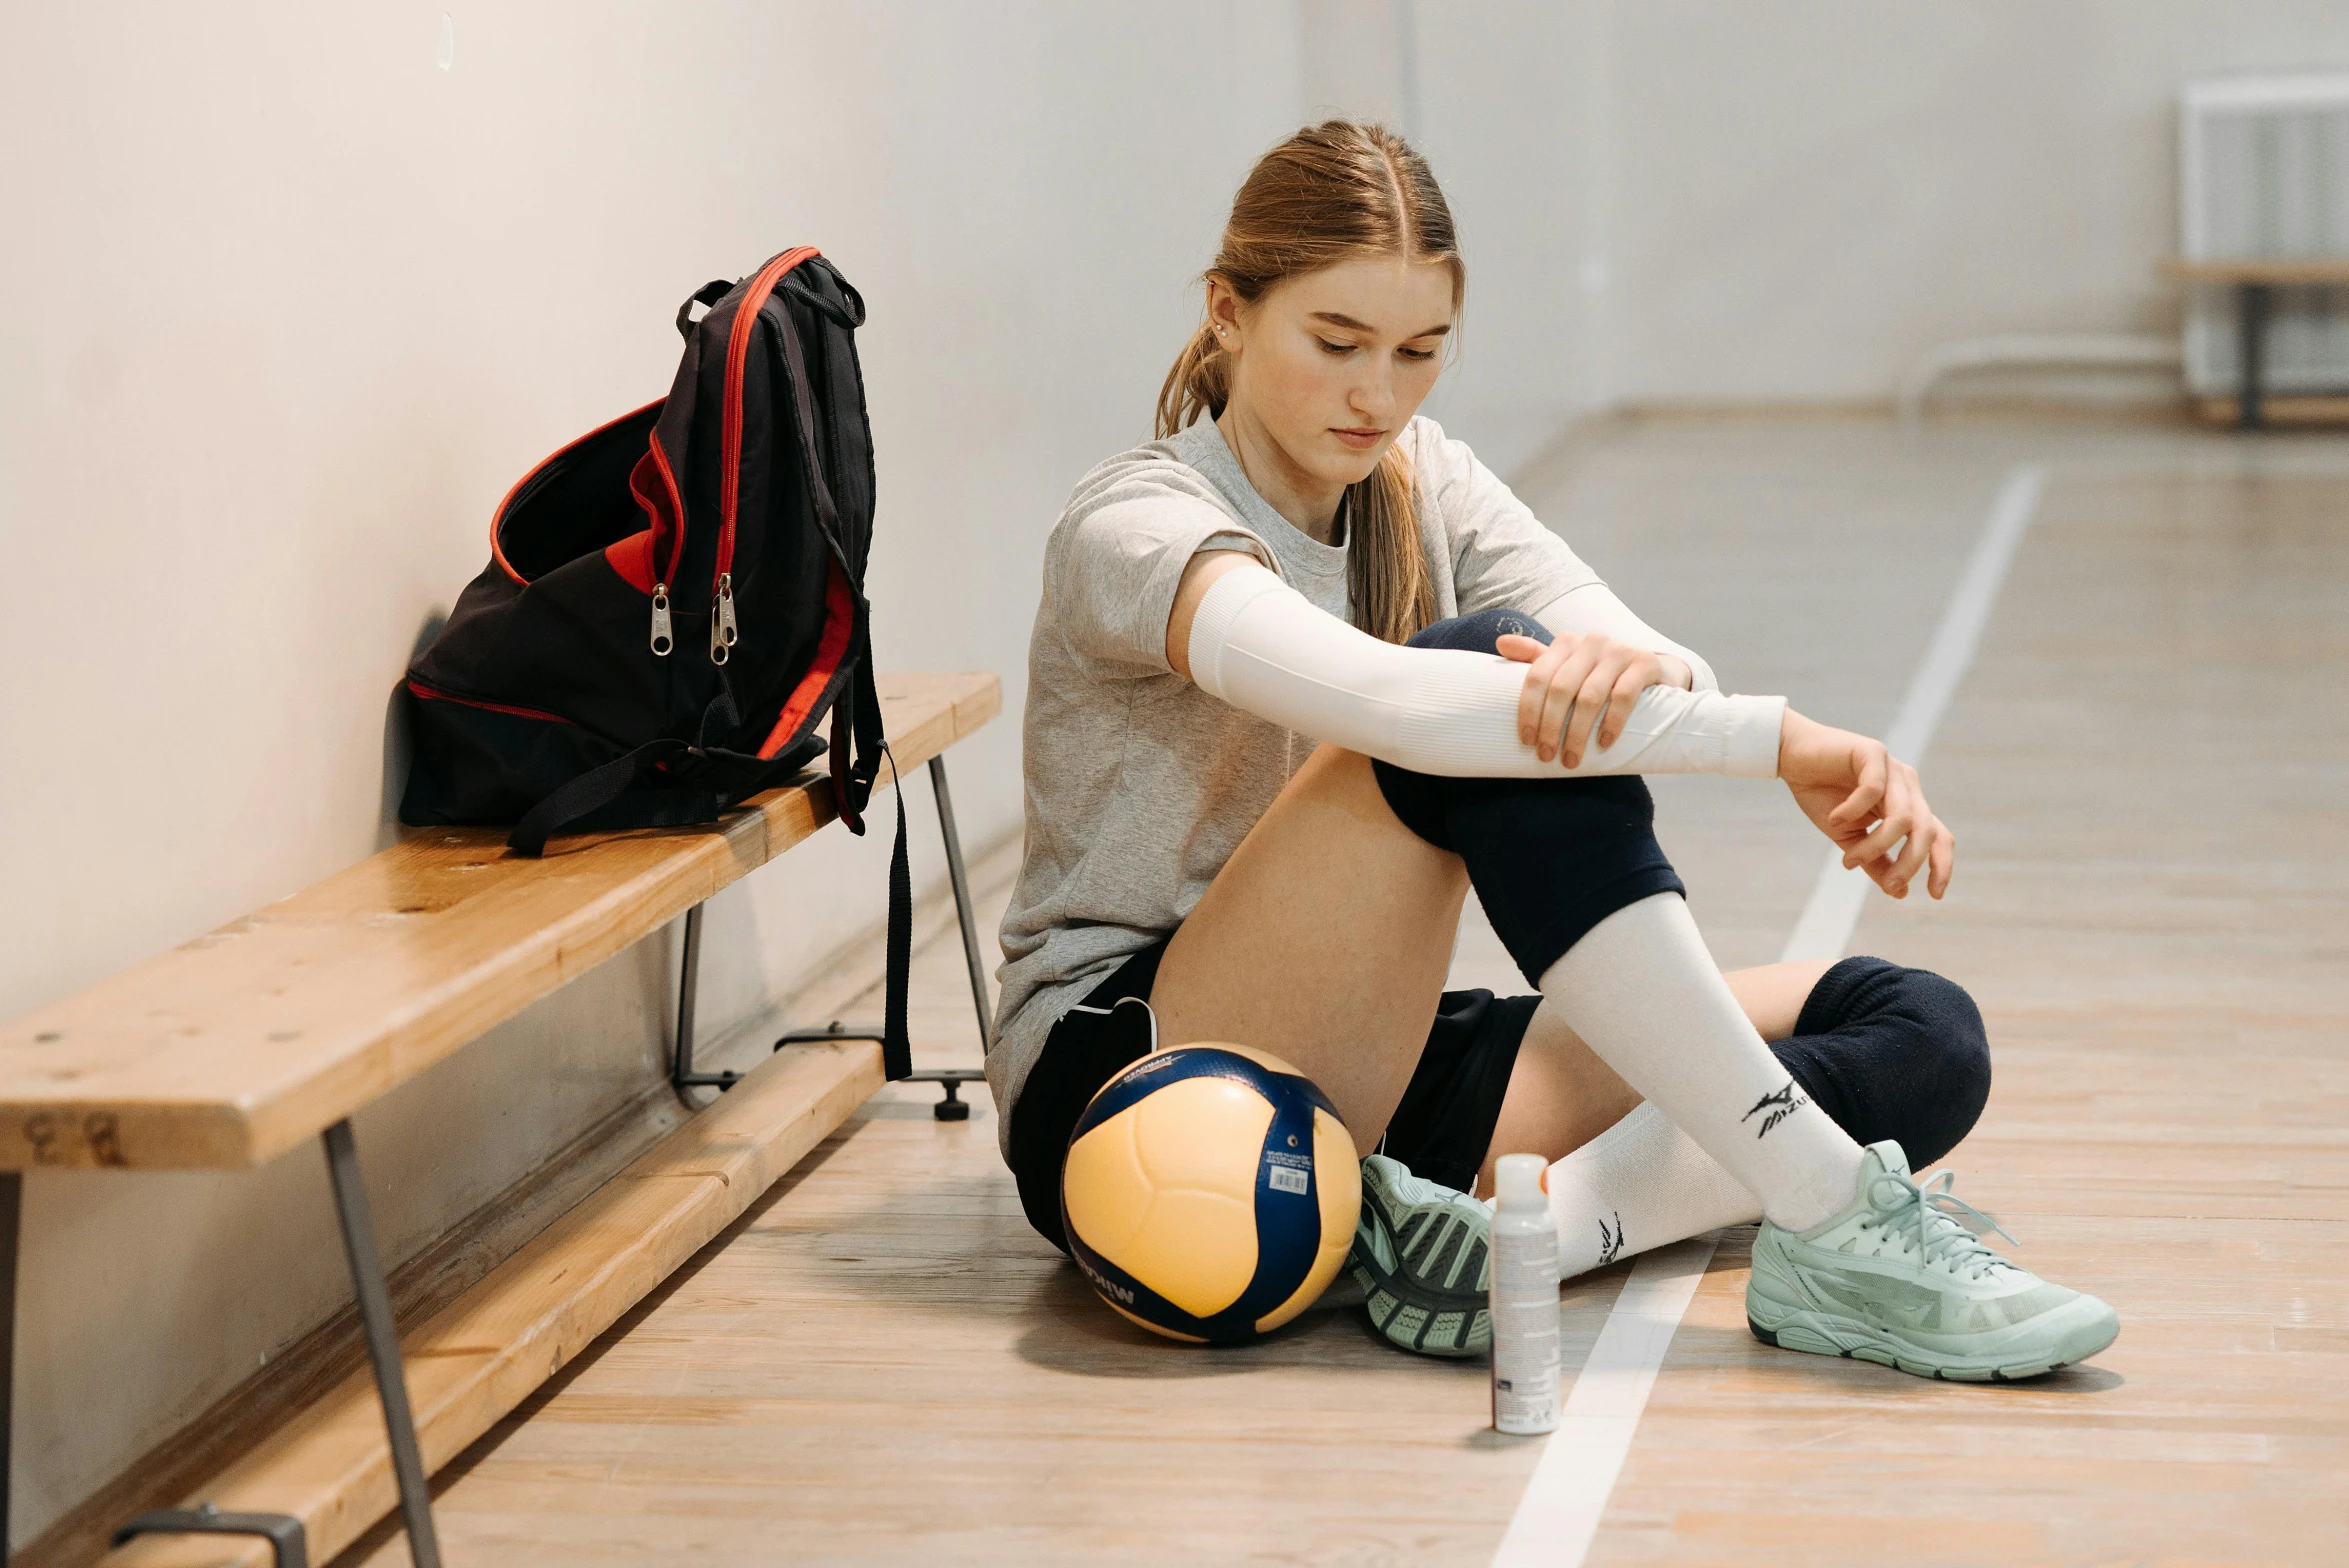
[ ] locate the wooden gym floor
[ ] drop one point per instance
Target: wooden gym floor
(2148, 768)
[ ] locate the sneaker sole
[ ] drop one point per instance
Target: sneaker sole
(1854, 1341)
(1414, 1313)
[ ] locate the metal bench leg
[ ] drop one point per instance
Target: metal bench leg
(383, 1342)
(961, 877)
(2255, 303)
(681, 1074)
(288, 1548)
(951, 1107)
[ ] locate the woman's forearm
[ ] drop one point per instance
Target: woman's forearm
(1261, 646)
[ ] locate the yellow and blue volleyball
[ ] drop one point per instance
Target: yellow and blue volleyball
(1210, 1193)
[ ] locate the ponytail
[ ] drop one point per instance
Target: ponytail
(1386, 572)
(1200, 383)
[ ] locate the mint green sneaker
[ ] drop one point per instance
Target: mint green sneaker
(1896, 1279)
(1422, 1255)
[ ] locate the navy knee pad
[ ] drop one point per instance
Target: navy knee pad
(1481, 632)
(1890, 1052)
(1549, 858)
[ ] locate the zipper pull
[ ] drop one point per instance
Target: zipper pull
(662, 638)
(723, 632)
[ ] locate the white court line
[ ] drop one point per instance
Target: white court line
(1837, 897)
(1570, 1484)
(1567, 1494)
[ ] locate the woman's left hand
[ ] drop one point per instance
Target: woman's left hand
(1868, 802)
(1581, 686)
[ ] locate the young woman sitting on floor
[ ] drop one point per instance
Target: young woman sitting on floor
(1304, 672)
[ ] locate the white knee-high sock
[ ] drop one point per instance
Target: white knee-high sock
(1641, 1184)
(1646, 997)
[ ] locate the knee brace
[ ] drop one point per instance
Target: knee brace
(1890, 1052)
(1549, 858)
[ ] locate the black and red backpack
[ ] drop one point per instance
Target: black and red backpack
(675, 601)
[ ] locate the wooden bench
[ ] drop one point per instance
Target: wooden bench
(236, 1047)
(2255, 281)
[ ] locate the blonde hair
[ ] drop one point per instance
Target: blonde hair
(1329, 193)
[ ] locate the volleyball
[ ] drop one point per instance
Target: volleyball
(1210, 1193)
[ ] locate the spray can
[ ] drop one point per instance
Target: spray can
(1524, 1298)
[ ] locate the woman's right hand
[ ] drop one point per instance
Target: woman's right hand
(1580, 691)
(1868, 802)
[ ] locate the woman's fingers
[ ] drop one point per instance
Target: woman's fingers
(1913, 853)
(1907, 839)
(1860, 806)
(1519, 650)
(1896, 816)
(1558, 701)
(1637, 677)
(1590, 705)
(1917, 842)
(1943, 860)
(1577, 688)
(1544, 658)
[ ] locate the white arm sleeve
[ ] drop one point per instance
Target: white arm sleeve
(1262, 647)
(1593, 607)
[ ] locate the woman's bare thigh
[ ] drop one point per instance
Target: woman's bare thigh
(1325, 940)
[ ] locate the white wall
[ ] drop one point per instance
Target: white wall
(1507, 110)
(1500, 96)
(284, 308)
(1807, 194)
(1728, 201)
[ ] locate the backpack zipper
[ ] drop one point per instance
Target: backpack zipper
(723, 632)
(663, 639)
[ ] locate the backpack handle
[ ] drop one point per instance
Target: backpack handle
(708, 294)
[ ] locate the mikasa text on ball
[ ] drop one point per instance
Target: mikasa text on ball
(1211, 1192)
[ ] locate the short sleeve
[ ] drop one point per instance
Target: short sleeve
(1112, 567)
(1503, 558)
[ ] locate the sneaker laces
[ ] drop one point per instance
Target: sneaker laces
(1944, 1236)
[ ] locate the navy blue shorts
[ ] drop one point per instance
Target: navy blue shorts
(1441, 1130)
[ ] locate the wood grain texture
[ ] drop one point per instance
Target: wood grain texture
(482, 1355)
(236, 1046)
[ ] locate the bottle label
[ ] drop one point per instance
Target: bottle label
(1525, 1333)
(1522, 1405)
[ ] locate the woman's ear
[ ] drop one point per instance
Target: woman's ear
(1223, 313)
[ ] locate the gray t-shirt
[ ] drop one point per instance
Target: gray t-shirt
(1139, 784)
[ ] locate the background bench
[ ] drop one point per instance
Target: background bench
(2255, 281)
(235, 1047)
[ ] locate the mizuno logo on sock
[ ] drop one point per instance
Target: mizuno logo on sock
(1781, 1104)
(1610, 1245)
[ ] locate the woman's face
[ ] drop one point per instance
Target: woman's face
(1331, 365)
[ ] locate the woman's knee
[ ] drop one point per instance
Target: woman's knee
(1550, 858)
(1480, 632)
(1951, 1033)
(1895, 1053)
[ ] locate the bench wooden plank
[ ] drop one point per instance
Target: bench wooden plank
(236, 1046)
(482, 1355)
(2276, 271)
